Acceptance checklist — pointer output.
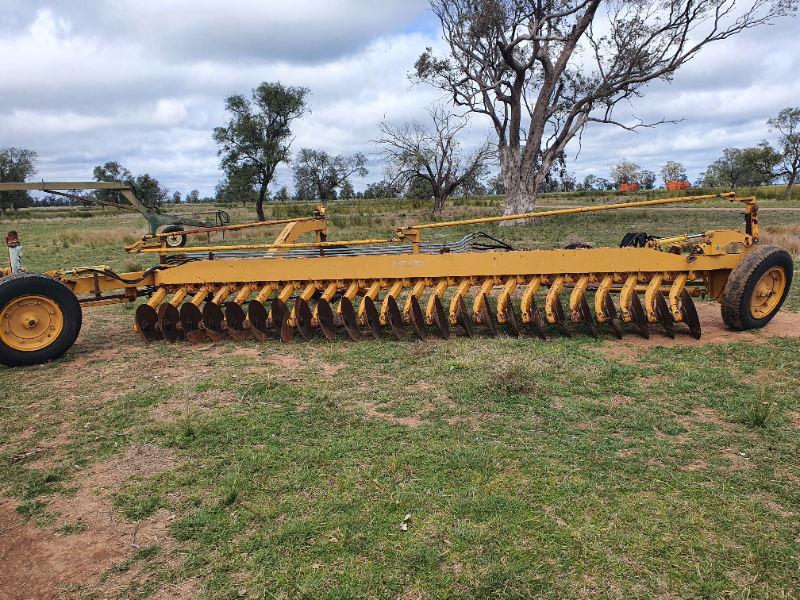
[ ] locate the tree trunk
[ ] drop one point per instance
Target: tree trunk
(3, 210)
(260, 202)
(789, 185)
(519, 198)
(438, 204)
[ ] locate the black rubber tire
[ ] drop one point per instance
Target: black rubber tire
(742, 282)
(30, 284)
(175, 229)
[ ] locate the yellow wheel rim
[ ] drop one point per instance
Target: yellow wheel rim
(767, 293)
(30, 323)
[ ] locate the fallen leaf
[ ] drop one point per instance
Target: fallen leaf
(407, 517)
(404, 526)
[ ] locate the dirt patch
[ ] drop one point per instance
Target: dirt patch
(697, 465)
(794, 417)
(53, 445)
(328, 371)
(738, 462)
(284, 360)
(771, 504)
(709, 416)
(372, 413)
(625, 453)
(783, 325)
(36, 562)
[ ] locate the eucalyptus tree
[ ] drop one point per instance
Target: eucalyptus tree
(542, 70)
(788, 125)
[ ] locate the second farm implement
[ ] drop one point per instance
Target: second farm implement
(217, 291)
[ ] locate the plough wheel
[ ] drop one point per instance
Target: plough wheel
(350, 319)
(147, 323)
(486, 316)
(302, 315)
(689, 312)
(611, 315)
(462, 317)
(214, 322)
(665, 316)
(373, 319)
(168, 319)
(191, 321)
(325, 318)
(440, 318)
(395, 318)
(235, 318)
(259, 320)
(639, 316)
(586, 316)
(417, 320)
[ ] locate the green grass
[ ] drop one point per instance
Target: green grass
(560, 469)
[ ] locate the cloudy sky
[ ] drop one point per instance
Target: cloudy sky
(143, 83)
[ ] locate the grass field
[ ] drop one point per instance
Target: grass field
(402, 469)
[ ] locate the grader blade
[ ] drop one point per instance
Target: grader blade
(373, 318)
(260, 324)
(214, 322)
(417, 319)
(664, 315)
(235, 318)
(147, 323)
(395, 318)
(169, 322)
(639, 317)
(689, 312)
(325, 319)
(192, 323)
(440, 318)
(611, 317)
(350, 319)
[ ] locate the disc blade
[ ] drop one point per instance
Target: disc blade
(560, 319)
(350, 319)
(259, 320)
(373, 318)
(280, 320)
(664, 315)
(463, 318)
(325, 318)
(487, 318)
(689, 311)
(536, 320)
(191, 321)
(395, 318)
(147, 323)
(302, 315)
(417, 320)
(586, 316)
(168, 319)
(511, 318)
(440, 318)
(214, 322)
(612, 318)
(235, 318)
(639, 316)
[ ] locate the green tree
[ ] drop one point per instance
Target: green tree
(149, 191)
(16, 166)
(748, 168)
(193, 197)
(420, 189)
(788, 124)
(238, 185)
(176, 198)
(496, 185)
(647, 179)
(673, 171)
(110, 172)
(625, 171)
(317, 172)
(259, 133)
(282, 195)
(347, 191)
(381, 190)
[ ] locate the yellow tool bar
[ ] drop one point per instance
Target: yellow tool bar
(159, 249)
(569, 211)
(229, 227)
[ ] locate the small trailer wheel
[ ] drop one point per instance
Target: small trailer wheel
(175, 241)
(40, 319)
(757, 287)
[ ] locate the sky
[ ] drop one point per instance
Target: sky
(143, 83)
